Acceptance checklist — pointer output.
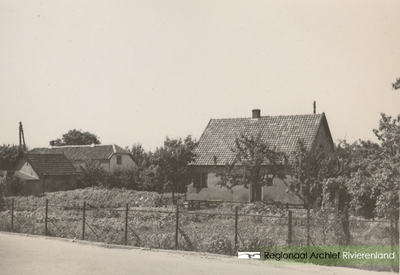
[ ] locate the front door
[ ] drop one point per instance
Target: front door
(256, 192)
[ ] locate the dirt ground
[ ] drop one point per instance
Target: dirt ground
(38, 255)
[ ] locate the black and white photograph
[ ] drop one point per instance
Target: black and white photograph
(199, 137)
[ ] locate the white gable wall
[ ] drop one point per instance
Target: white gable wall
(23, 166)
(127, 162)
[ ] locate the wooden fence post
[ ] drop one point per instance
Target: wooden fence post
(84, 221)
(177, 227)
(12, 215)
(290, 228)
(45, 219)
(236, 227)
(126, 225)
(308, 225)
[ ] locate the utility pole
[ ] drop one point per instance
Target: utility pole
(22, 145)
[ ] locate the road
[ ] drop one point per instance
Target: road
(38, 255)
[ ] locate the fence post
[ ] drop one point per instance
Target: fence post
(84, 221)
(346, 225)
(290, 228)
(308, 225)
(236, 227)
(177, 227)
(12, 215)
(45, 219)
(126, 225)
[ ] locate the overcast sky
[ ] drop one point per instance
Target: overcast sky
(138, 71)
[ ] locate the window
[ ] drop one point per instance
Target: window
(200, 180)
(204, 177)
(119, 160)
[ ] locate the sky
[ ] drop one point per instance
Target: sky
(138, 71)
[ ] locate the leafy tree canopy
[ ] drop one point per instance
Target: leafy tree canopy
(92, 174)
(139, 155)
(396, 85)
(309, 170)
(256, 162)
(76, 137)
(368, 174)
(9, 154)
(172, 161)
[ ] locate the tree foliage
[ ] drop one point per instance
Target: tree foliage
(369, 175)
(171, 163)
(385, 169)
(350, 177)
(92, 174)
(255, 163)
(139, 155)
(389, 135)
(9, 154)
(309, 169)
(3, 191)
(396, 85)
(76, 137)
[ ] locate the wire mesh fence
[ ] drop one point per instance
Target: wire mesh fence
(207, 232)
(222, 231)
(262, 230)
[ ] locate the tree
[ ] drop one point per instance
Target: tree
(389, 135)
(76, 137)
(171, 164)
(396, 85)
(348, 168)
(139, 155)
(369, 175)
(3, 191)
(92, 174)
(255, 164)
(9, 154)
(374, 182)
(309, 169)
(386, 171)
(145, 171)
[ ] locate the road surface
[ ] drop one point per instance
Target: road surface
(38, 255)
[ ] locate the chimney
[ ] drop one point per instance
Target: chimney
(256, 113)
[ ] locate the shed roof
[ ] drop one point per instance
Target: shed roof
(80, 152)
(50, 164)
(280, 132)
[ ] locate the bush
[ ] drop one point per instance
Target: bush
(92, 174)
(2, 194)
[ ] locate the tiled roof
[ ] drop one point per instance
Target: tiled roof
(281, 132)
(50, 164)
(80, 152)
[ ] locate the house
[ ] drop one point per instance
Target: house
(282, 132)
(111, 157)
(41, 173)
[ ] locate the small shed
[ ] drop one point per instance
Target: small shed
(40, 173)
